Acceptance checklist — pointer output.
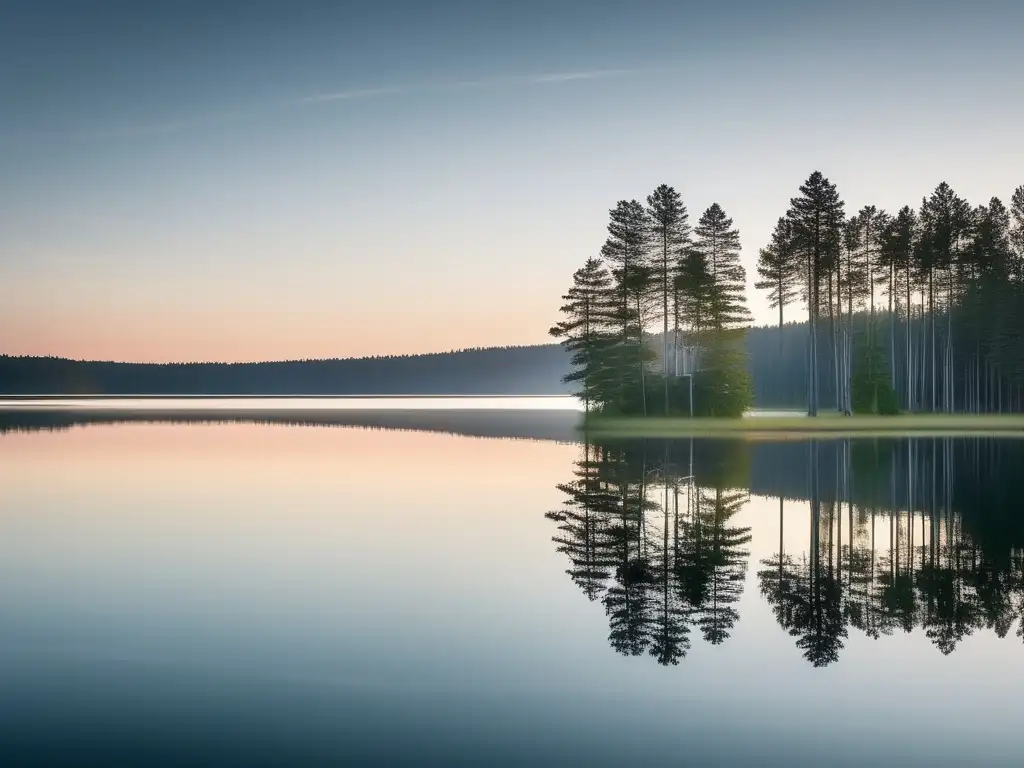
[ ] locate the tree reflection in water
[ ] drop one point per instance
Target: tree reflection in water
(903, 534)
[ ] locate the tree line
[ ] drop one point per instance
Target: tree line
(493, 371)
(921, 310)
(898, 536)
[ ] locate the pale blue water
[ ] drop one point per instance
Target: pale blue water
(393, 593)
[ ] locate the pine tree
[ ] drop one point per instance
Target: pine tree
(719, 244)
(626, 250)
(896, 256)
(670, 234)
(586, 334)
(817, 217)
(946, 222)
(988, 265)
(779, 270)
(872, 223)
(724, 385)
(851, 283)
(1017, 233)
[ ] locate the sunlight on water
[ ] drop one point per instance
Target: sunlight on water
(297, 403)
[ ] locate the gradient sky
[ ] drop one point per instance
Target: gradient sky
(285, 179)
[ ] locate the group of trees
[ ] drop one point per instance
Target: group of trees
(899, 536)
(656, 272)
(923, 310)
(920, 310)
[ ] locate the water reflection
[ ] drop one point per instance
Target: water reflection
(526, 422)
(901, 535)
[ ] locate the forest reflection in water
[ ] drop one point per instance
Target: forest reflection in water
(903, 534)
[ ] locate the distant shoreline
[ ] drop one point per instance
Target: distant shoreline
(217, 396)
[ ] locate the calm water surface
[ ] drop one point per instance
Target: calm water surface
(312, 591)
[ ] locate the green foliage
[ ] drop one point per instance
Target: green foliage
(717, 244)
(948, 338)
(584, 330)
(724, 388)
(778, 266)
(946, 221)
(817, 216)
(1017, 233)
(872, 392)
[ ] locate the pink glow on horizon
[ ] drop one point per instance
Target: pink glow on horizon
(136, 336)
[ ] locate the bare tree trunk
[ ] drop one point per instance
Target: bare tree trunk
(892, 328)
(835, 345)
(781, 305)
(664, 298)
(643, 381)
(812, 350)
(931, 312)
(910, 345)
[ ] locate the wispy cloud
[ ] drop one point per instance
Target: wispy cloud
(491, 82)
(562, 77)
(346, 95)
(172, 126)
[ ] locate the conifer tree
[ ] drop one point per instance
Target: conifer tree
(779, 270)
(585, 332)
(725, 388)
(626, 251)
(718, 242)
(895, 256)
(946, 220)
(1017, 232)
(694, 290)
(670, 234)
(817, 217)
(872, 222)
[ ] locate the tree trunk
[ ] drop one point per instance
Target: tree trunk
(664, 297)
(931, 312)
(640, 348)
(892, 328)
(835, 344)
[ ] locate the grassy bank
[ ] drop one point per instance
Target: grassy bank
(935, 425)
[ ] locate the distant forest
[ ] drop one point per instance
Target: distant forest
(526, 371)
(535, 370)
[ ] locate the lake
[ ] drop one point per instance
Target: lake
(289, 583)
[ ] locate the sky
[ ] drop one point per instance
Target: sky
(278, 179)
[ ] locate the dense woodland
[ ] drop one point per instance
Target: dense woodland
(921, 310)
(899, 536)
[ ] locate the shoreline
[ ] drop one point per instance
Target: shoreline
(775, 427)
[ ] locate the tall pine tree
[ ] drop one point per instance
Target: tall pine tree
(1017, 232)
(585, 332)
(818, 217)
(670, 234)
(725, 387)
(626, 251)
(779, 269)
